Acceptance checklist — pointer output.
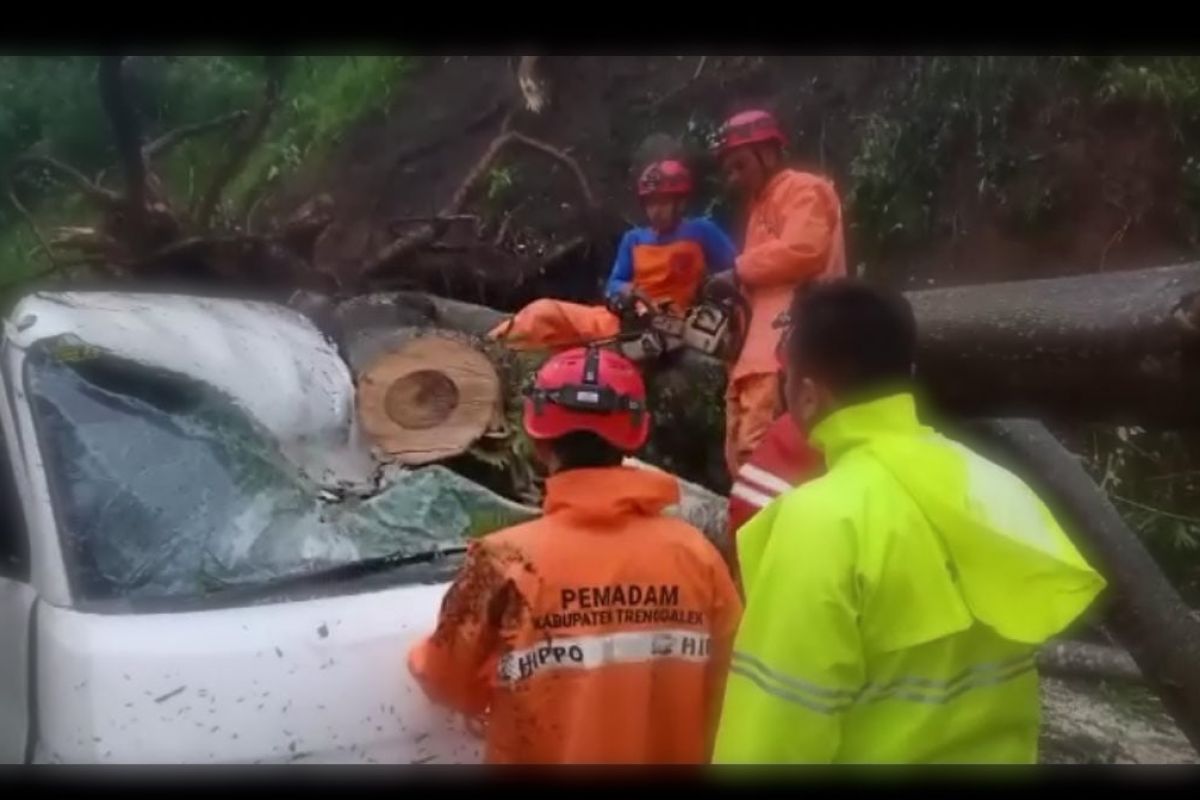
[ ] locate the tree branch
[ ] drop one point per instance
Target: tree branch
(562, 156)
(504, 224)
(562, 252)
(246, 139)
(1079, 660)
(1141, 607)
(193, 246)
(172, 138)
(534, 88)
(399, 222)
(127, 132)
(70, 175)
(424, 235)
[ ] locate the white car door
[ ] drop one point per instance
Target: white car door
(16, 606)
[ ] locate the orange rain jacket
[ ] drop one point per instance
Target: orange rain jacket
(793, 235)
(600, 633)
(667, 268)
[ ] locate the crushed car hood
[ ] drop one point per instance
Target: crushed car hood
(270, 360)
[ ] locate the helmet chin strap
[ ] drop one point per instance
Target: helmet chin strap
(767, 172)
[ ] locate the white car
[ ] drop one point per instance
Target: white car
(200, 562)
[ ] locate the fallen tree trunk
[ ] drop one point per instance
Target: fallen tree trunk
(1142, 609)
(1119, 347)
(1080, 660)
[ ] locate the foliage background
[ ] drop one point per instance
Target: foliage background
(49, 105)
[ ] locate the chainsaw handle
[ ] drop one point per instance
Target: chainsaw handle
(631, 302)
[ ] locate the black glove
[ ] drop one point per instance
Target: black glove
(620, 303)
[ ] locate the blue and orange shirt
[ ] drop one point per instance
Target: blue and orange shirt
(671, 267)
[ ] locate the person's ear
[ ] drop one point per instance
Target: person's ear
(811, 398)
(805, 399)
(546, 456)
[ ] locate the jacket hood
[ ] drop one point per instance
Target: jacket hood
(610, 493)
(1006, 557)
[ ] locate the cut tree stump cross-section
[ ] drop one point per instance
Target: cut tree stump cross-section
(427, 396)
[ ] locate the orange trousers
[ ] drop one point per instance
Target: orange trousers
(751, 406)
(553, 324)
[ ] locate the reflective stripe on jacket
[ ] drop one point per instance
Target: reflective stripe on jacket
(894, 604)
(598, 633)
(779, 463)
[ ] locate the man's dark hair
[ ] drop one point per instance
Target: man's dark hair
(585, 450)
(860, 339)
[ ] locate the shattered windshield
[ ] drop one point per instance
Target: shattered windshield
(164, 487)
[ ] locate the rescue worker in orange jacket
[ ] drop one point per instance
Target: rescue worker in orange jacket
(665, 261)
(793, 236)
(601, 632)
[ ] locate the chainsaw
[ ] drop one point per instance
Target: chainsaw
(715, 326)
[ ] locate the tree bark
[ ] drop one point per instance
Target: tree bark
(127, 133)
(1142, 609)
(1121, 347)
(1080, 660)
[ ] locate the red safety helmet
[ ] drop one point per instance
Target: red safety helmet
(665, 177)
(589, 389)
(749, 127)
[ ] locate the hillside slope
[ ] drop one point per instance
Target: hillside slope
(953, 170)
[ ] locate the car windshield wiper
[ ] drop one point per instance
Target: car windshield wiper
(358, 569)
(331, 575)
(236, 594)
(369, 566)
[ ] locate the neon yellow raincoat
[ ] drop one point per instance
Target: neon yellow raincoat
(894, 605)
